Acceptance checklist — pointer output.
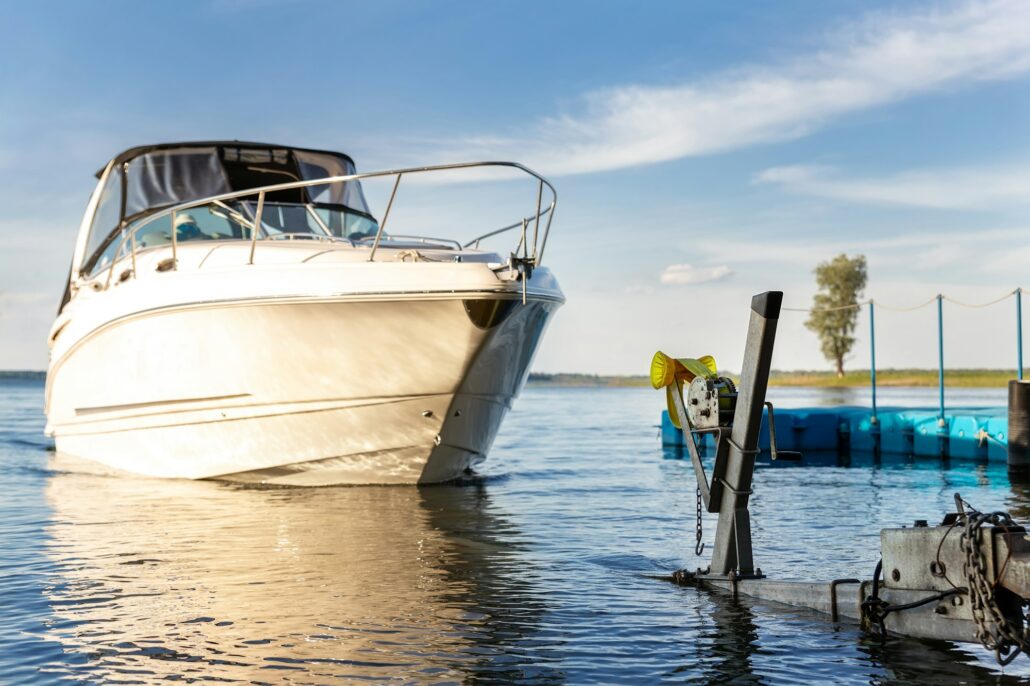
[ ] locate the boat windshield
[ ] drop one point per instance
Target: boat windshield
(144, 182)
(234, 220)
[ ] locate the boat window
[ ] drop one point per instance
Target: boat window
(154, 233)
(170, 177)
(209, 222)
(104, 259)
(257, 155)
(347, 224)
(108, 213)
(279, 218)
(249, 168)
(206, 223)
(315, 165)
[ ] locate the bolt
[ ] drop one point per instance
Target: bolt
(896, 575)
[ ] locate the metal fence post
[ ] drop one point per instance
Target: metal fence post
(872, 356)
(940, 355)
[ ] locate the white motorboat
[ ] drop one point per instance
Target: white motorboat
(217, 325)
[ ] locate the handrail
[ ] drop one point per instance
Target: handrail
(427, 240)
(386, 216)
(501, 230)
(262, 191)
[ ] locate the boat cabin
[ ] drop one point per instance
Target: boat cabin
(139, 184)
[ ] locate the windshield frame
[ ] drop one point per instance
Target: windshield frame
(88, 264)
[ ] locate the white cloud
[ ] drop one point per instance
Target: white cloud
(955, 254)
(961, 188)
(682, 274)
(882, 59)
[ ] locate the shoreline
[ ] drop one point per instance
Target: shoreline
(859, 378)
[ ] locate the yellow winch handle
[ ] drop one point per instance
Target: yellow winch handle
(670, 373)
(665, 369)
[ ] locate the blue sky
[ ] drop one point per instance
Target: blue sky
(702, 152)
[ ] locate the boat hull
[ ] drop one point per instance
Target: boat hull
(317, 391)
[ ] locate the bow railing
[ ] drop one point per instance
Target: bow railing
(532, 241)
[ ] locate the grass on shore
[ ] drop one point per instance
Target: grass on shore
(965, 378)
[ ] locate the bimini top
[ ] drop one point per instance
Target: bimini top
(147, 179)
(132, 153)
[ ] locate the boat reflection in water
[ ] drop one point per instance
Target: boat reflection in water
(168, 578)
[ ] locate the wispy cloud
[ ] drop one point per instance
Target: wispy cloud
(685, 274)
(964, 188)
(958, 253)
(881, 59)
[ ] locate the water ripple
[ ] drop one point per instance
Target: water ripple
(543, 568)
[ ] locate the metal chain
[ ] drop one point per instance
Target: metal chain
(699, 547)
(875, 610)
(1007, 638)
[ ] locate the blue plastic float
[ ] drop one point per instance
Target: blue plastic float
(965, 434)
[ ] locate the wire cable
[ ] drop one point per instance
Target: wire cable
(894, 308)
(852, 306)
(986, 304)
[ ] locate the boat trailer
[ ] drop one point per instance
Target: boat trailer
(967, 579)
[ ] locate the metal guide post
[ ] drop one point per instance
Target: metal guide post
(872, 357)
(1019, 333)
(941, 421)
(733, 534)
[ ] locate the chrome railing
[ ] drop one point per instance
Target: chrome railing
(535, 256)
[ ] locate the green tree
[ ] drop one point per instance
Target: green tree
(835, 307)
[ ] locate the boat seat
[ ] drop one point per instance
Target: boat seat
(152, 239)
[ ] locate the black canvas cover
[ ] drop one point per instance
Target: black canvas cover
(169, 177)
(148, 179)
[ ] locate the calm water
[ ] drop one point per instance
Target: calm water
(536, 571)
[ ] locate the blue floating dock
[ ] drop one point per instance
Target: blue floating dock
(965, 433)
